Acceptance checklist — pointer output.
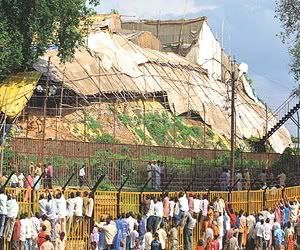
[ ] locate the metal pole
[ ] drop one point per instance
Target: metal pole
(298, 142)
(204, 126)
(2, 143)
(45, 106)
(174, 126)
(266, 122)
(232, 124)
(144, 125)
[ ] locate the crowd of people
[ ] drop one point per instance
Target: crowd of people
(47, 229)
(219, 227)
(243, 180)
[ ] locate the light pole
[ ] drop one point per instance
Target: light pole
(243, 69)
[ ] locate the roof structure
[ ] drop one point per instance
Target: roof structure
(176, 36)
(114, 65)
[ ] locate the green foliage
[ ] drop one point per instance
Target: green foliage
(28, 27)
(288, 14)
(114, 11)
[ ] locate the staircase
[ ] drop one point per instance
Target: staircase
(285, 109)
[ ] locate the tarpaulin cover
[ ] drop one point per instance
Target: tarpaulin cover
(16, 90)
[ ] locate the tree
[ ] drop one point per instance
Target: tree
(288, 12)
(28, 27)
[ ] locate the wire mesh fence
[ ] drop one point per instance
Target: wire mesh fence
(170, 168)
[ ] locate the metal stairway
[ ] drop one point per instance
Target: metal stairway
(287, 109)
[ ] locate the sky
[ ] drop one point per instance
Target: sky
(250, 33)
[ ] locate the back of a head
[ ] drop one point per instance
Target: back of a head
(78, 194)
(47, 238)
(44, 228)
(72, 195)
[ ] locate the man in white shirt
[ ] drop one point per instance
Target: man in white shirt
(51, 213)
(110, 231)
(267, 234)
(183, 206)
(282, 179)
(25, 232)
(3, 211)
(14, 181)
(42, 203)
(162, 235)
(148, 239)
(158, 212)
(187, 231)
(36, 227)
(259, 227)
(12, 213)
(81, 176)
(61, 206)
(70, 210)
(78, 209)
(204, 206)
(90, 206)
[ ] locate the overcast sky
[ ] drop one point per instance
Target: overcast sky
(250, 34)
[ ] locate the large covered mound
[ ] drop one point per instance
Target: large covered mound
(113, 65)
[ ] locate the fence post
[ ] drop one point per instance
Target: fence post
(119, 195)
(141, 193)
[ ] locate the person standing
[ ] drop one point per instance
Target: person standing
(149, 174)
(173, 234)
(47, 245)
(14, 181)
(70, 210)
(155, 244)
(187, 232)
(28, 186)
(3, 211)
(162, 236)
(49, 176)
(78, 208)
(223, 184)
(239, 178)
(37, 175)
(12, 214)
(282, 179)
(36, 226)
(16, 235)
(148, 239)
(110, 231)
(81, 176)
(61, 206)
(247, 179)
(25, 232)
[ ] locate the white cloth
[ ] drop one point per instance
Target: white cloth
(148, 240)
(43, 204)
(12, 208)
(204, 207)
(183, 203)
(159, 209)
(162, 235)
(151, 209)
(51, 209)
(259, 229)
(131, 222)
(197, 204)
(267, 231)
(78, 206)
(172, 204)
(134, 235)
(71, 206)
(35, 227)
(25, 229)
(14, 179)
(82, 172)
(3, 200)
(89, 211)
(61, 206)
